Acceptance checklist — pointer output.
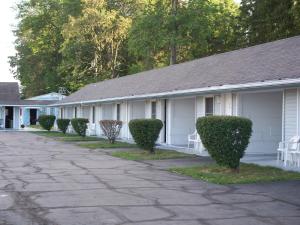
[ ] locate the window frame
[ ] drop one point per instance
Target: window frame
(153, 112)
(118, 111)
(75, 112)
(93, 114)
(213, 106)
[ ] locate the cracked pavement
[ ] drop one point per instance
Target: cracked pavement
(46, 182)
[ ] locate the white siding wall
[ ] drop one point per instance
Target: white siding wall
(98, 117)
(138, 110)
(85, 112)
(265, 111)
(160, 114)
(182, 121)
(69, 112)
(107, 111)
(234, 104)
(200, 106)
(16, 119)
(290, 113)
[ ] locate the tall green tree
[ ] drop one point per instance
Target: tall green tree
(268, 20)
(38, 44)
(94, 42)
(175, 31)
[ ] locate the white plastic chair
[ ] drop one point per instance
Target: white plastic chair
(289, 151)
(91, 130)
(70, 129)
(195, 138)
(1, 124)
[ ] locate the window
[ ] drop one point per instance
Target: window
(153, 110)
(209, 106)
(43, 111)
(75, 112)
(118, 112)
(93, 114)
(61, 113)
(52, 111)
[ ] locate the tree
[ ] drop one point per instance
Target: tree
(268, 20)
(93, 42)
(174, 31)
(111, 129)
(38, 44)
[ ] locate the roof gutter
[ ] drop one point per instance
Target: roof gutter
(28, 106)
(229, 87)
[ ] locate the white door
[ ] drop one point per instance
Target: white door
(182, 120)
(265, 111)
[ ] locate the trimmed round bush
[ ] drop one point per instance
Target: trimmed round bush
(145, 132)
(80, 126)
(63, 124)
(46, 121)
(225, 138)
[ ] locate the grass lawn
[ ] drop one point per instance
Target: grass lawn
(36, 127)
(53, 134)
(145, 155)
(249, 173)
(105, 144)
(66, 137)
(78, 138)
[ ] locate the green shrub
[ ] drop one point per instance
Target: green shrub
(63, 124)
(46, 121)
(225, 138)
(145, 132)
(80, 126)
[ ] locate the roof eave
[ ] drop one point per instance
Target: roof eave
(195, 91)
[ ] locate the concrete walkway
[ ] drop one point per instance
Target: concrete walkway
(43, 182)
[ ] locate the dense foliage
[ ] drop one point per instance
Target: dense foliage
(80, 125)
(63, 124)
(46, 121)
(70, 43)
(111, 129)
(145, 132)
(268, 20)
(225, 138)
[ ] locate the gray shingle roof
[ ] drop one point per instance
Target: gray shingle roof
(9, 95)
(271, 61)
(9, 92)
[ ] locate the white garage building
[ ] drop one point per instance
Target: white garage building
(260, 82)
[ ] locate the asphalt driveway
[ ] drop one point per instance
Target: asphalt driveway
(43, 182)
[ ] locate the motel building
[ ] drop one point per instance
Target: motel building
(15, 112)
(261, 83)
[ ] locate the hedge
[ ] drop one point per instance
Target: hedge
(46, 121)
(63, 124)
(145, 132)
(80, 126)
(225, 138)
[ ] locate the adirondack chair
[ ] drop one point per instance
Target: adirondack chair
(91, 130)
(195, 139)
(1, 124)
(289, 151)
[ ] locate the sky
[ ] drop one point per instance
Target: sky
(7, 20)
(7, 23)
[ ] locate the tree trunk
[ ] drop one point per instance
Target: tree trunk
(173, 47)
(235, 170)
